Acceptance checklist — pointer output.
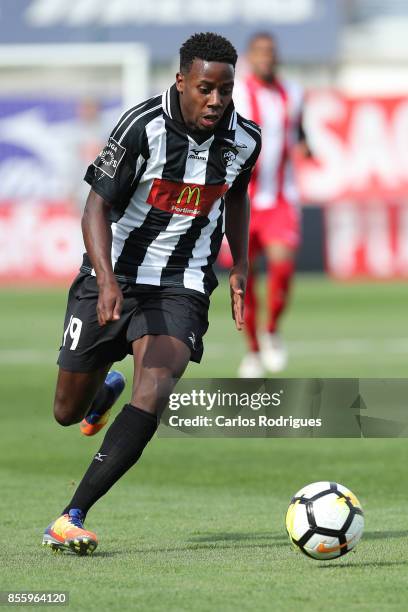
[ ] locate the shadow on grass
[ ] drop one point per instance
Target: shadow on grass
(209, 546)
(106, 554)
(237, 537)
(211, 541)
(281, 537)
(362, 564)
(264, 539)
(384, 535)
(225, 541)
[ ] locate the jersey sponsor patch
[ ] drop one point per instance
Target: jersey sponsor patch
(110, 157)
(184, 198)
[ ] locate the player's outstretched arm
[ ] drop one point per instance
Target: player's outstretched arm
(236, 230)
(97, 235)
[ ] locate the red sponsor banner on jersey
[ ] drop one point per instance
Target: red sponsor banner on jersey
(39, 242)
(360, 148)
(188, 199)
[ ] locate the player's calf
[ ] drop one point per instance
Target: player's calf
(159, 362)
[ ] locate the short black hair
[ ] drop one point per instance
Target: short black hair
(206, 46)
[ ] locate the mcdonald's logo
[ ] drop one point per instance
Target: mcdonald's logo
(190, 193)
(184, 198)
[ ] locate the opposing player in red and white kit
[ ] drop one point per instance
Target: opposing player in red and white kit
(276, 105)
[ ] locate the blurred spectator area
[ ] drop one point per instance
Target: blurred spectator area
(67, 70)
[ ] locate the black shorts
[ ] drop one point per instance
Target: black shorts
(147, 310)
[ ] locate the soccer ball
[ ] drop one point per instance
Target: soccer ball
(324, 520)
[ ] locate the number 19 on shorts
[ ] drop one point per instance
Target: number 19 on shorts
(74, 328)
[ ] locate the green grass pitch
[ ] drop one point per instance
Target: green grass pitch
(198, 524)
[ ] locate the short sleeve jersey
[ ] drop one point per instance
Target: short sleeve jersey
(166, 187)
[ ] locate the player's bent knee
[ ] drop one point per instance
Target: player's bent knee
(66, 412)
(64, 419)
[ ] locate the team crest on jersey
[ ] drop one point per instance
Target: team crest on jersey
(229, 154)
(109, 158)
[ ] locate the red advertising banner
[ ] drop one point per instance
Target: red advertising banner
(39, 241)
(360, 175)
(360, 148)
(368, 240)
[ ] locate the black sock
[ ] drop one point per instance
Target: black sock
(121, 448)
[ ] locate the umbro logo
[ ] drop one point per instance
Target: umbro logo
(195, 154)
(99, 456)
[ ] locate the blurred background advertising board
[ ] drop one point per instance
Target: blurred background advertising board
(360, 176)
(67, 70)
(57, 106)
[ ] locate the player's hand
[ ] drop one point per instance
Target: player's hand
(237, 279)
(110, 302)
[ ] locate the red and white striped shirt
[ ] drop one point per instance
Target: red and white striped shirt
(277, 108)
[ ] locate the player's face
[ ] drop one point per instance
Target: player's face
(205, 92)
(263, 58)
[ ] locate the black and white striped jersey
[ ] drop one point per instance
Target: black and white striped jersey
(166, 187)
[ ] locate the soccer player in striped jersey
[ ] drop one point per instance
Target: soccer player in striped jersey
(174, 173)
(276, 105)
